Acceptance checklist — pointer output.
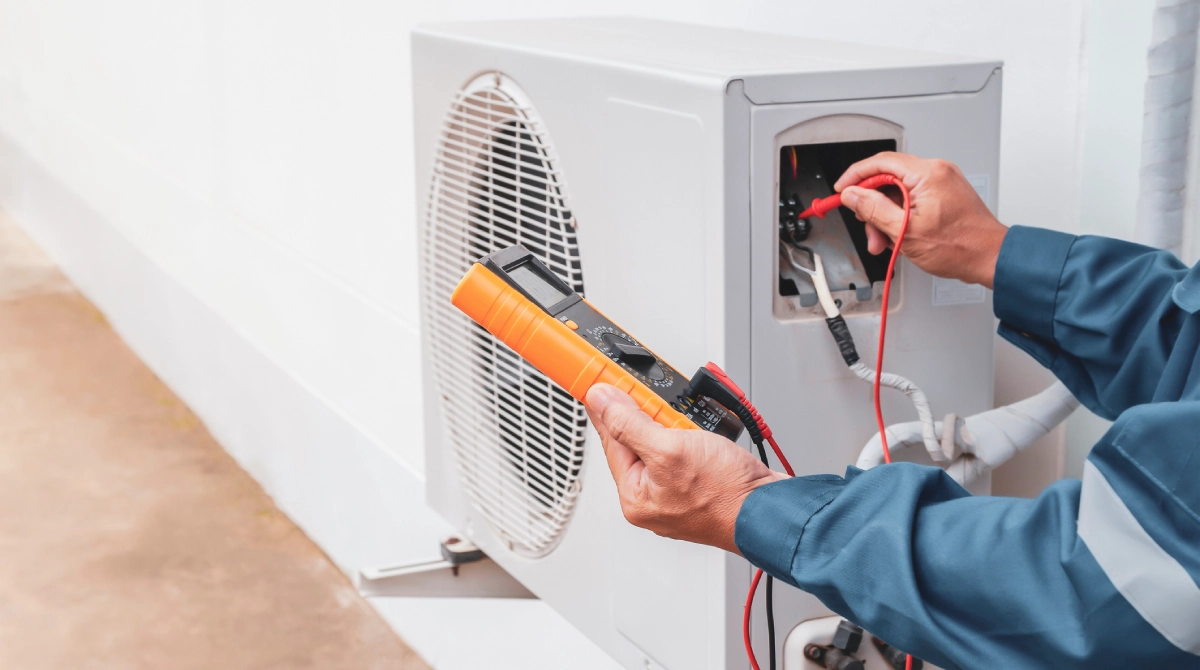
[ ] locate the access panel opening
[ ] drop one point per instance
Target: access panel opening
(807, 172)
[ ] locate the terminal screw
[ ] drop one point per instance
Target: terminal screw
(848, 637)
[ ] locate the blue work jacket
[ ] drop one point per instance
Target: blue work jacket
(1098, 573)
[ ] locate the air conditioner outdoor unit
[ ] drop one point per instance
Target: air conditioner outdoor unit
(651, 164)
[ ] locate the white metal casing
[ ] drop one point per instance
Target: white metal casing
(666, 135)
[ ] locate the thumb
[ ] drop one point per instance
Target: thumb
(620, 419)
(874, 208)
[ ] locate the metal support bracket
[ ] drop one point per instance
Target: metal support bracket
(461, 572)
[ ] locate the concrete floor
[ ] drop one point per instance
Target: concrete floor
(128, 537)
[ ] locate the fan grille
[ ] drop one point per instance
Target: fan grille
(517, 437)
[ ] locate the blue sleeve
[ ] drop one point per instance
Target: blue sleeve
(1098, 573)
(1061, 581)
(1101, 314)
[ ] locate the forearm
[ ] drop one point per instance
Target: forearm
(1097, 312)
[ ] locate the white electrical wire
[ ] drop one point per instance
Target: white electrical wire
(919, 400)
(928, 431)
(822, 286)
(817, 275)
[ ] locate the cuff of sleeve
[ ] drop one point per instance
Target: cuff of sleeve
(772, 520)
(1027, 278)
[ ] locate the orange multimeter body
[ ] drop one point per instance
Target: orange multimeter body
(516, 298)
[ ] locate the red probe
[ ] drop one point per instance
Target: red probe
(820, 207)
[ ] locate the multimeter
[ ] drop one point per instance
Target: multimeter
(520, 301)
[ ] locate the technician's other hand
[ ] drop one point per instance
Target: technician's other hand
(684, 484)
(951, 233)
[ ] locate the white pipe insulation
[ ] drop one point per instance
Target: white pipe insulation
(966, 448)
(984, 441)
(1166, 124)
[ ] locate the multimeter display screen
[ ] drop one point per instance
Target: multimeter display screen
(545, 293)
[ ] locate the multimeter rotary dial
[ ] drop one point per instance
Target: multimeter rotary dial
(636, 357)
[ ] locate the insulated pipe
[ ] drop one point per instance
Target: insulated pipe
(1166, 124)
(986, 440)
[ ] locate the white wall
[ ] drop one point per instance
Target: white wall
(260, 152)
(258, 155)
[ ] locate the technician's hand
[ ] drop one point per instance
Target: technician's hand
(951, 233)
(684, 484)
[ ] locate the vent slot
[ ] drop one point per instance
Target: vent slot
(517, 438)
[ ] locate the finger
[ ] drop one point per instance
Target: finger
(625, 423)
(594, 417)
(621, 459)
(874, 208)
(625, 466)
(888, 162)
(877, 242)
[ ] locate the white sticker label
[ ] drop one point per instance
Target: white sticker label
(953, 292)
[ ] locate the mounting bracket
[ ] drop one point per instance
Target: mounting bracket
(463, 571)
